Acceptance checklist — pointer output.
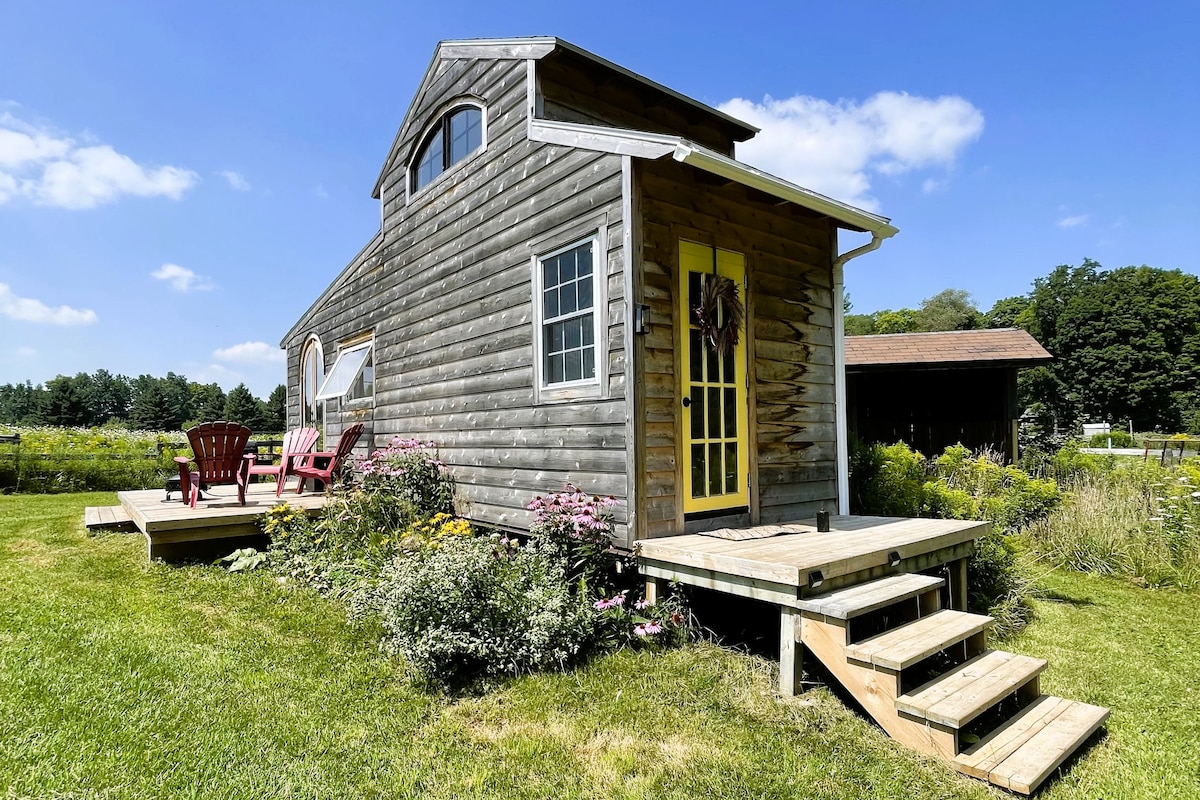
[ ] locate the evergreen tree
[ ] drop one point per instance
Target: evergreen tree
(62, 403)
(208, 401)
(274, 416)
(241, 407)
(19, 403)
(151, 409)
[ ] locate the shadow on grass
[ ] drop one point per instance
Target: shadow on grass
(1056, 596)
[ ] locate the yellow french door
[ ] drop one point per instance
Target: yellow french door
(714, 448)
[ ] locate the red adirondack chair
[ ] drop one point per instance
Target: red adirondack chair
(295, 442)
(220, 457)
(306, 463)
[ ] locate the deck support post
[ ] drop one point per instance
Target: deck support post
(791, 656)
(958, 584)
(656, 590)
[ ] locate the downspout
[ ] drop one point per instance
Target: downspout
(839, 364)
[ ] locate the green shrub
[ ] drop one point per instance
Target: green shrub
(1118, 438)
(482, 607)
(959, 484)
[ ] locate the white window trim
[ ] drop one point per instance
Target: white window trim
(588, 388)
(444, 109)
(343, 351)
(313, 342)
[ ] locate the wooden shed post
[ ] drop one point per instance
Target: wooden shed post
(791, 657)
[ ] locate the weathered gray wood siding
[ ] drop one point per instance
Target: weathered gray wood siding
(789, 254)
(574, 91)
(450, 304)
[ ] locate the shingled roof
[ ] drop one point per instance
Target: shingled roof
(1010, 347)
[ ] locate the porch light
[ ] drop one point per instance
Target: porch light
(894, 558)
(815, 579)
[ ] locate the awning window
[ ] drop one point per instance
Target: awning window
(352, 376)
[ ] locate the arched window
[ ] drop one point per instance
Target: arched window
(455, 136)
(312, 375)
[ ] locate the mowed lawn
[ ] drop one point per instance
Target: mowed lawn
(122, 679)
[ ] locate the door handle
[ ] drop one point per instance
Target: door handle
(687, 401)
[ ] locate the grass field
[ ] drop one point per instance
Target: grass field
(121, 679)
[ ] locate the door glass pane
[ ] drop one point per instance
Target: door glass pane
(731, 463)
(712, 376)
(698, 472)
(696, 355)
(730, 410)
(714, 413)
(727, 367)
(693, 295)
(715, 474)
(697, 412)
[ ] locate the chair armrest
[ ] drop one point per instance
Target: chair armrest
(182, 460)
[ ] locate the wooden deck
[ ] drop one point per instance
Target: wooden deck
(779, 567)
(174, 529)
(801, 562)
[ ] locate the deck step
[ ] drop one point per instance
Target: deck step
(959, 696)
(1022, 753)
(97, 517)
(872, 596)
(904, 646)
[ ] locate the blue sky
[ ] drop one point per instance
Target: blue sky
(178, 182)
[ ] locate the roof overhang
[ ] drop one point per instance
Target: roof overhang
(644, 144)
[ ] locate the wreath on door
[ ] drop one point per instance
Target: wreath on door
(719, 314)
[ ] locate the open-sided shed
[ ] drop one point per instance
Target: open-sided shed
(933, 390)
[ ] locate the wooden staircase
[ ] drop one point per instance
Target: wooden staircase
(926, 676)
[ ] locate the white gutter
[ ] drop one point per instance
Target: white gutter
(839, 368)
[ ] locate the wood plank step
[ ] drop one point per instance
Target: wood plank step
(96, 517)
(871, 596)
(1022, 752)
(961, 695)
(904, 646)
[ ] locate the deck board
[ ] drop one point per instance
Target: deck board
(220, 508)
(853, 544)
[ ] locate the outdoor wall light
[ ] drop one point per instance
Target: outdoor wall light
(815, 579)
(894, 558)
(641, 318)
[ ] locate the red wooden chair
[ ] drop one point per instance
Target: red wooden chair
(295, 442)
(306, 463)
(220, 457)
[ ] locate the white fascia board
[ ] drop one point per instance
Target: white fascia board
(602, 139)
(711, 161)
(518, 48)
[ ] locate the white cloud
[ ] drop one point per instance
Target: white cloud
(319, 192)
(52, 169)
(250, 353)
(836, 148)
(236, 180)
(26, 309)
(26, 352)
(181, 279)
(1074, 221)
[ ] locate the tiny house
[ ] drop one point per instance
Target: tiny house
(562, 244)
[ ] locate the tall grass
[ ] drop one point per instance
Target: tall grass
(1141, 521)
(51, 460)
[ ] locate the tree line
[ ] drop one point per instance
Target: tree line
(1126, 343)
(158, 404)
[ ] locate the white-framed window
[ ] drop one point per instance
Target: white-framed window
(569, 314)
(312, 375)
(353, 375)
(457, 134)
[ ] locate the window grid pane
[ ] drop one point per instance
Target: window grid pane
(568, 319)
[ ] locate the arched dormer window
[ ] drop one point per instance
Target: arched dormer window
(455, 136)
